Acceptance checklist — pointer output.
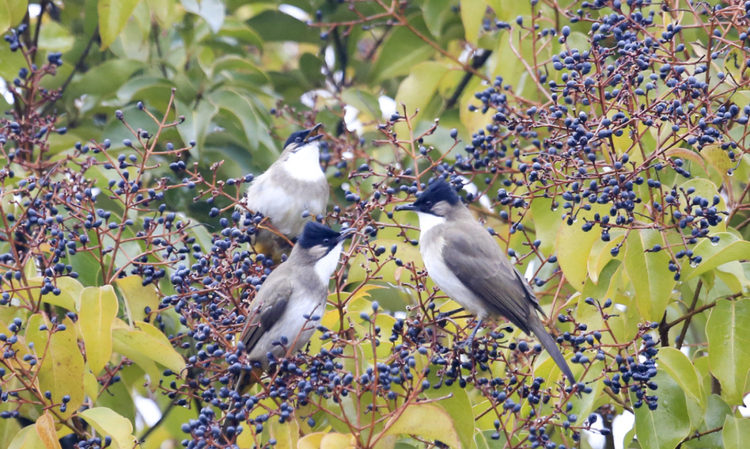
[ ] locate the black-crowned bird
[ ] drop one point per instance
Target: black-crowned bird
(289, 193)
(468, 265)
(291, 301)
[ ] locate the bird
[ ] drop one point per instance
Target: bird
(287, 308)
(468, 265)
(289, 193)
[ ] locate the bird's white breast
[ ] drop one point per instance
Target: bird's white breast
(428, 221)
(304, 164)
(325, 267)
(431, 248)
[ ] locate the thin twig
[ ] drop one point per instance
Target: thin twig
(685, 326)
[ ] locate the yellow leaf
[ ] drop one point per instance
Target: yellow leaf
(107, 422)
(285, 434)
(61, 372)
(336, 441)
(425, 420)
(90, 385)
(573, 249)
(27, 438)
(311, 441)
(137, 297)
(148, 342)
(45, 428)
(98, 311)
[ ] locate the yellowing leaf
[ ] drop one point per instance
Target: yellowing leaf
(98, 311)
(145, 343)
(311, 441)
(27, 438)
(113, 15)
(417, 89)
(472, 15)
(729, 347)
(573, 248)
(427, 421)
(61, 372)
(336, 441)
(107, 422)
(729, 248)
(649, 273)
(137, 297)
(45, 428)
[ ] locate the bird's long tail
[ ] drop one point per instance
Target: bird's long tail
(549, 344)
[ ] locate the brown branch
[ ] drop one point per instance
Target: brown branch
(685, 326)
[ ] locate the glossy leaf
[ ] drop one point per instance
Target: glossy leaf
(12, 13)
(137, 297)
(729, 248)
(108, 422)
(729, 347)
(682, 371)
(61, 371)
(649, 273)
(427, 421)
(665, 427)
(736, 432)
(113, 15)
(98, 311)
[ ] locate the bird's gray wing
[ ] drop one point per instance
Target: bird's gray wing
(476, 259)
(267, 307)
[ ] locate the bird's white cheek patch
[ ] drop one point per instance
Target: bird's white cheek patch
(325, 267)
(428, 221)
(304, 165)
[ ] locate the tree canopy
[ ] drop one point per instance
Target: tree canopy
(603, 144)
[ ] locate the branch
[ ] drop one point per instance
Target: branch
(681, 338)
(80, 60)
(476, 64)
(156, 425)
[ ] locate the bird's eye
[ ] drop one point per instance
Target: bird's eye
(326, 241)
(298, 139)
(428, 203)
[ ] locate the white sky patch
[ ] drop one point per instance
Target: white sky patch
(34, 10)
(5, 92)
(745, 410)
(530, 270)
(295, 12)
(474, 190)
(330, 56)
(387, 105)
(308, 98)
(620, 427)
(148, 410)
(596, 440)
(351, 119)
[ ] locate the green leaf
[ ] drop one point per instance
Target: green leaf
(12, 13)
(98, 311)
(55, 37)
(137, 297)
(682, 371)
(61, 371)
(736, 432)
(417, 89)
(401, 50)
(197, 120)
(716, 412)
(275, 26)
(105, 79)
(546, 223)
(27, 438)
(665, 427)
(729, 248)
(729, 347)
(436, 14)
(458, 406)
(472, 15)
(649, 273)
(113, 15)
(426, 420)
(108, 422)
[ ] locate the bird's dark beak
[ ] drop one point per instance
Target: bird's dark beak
(315, 133)
(346, 233)
(405, 207)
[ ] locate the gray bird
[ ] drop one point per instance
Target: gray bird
(291, 186)
(468, 266)
(289, 304)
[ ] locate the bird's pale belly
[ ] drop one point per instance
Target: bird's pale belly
(451, 285)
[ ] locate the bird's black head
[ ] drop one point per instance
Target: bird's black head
(316, 234)
(300, 138)
(435, 199)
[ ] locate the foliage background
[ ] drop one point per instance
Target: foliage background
(240, 76)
